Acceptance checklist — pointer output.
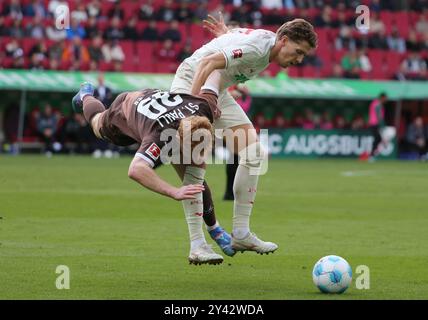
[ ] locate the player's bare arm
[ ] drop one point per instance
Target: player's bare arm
(143, 173)
(207, 65)
(213, 84)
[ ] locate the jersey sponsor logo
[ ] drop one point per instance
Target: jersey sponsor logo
(153, 151)
(241, 78)
(237, 53)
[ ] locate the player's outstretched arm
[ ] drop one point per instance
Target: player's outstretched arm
(141, 172)
(204, 69)
(216, 27)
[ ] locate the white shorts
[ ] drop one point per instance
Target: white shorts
(232, 114)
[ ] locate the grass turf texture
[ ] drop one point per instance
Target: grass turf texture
(121, 241)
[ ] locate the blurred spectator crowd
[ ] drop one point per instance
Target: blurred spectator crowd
(154, 36)
(47, 127)
(414, 144)
(311, 120)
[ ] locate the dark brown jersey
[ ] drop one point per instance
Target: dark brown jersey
(142, 116)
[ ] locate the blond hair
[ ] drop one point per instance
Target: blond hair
(298, 30)
(194, 123)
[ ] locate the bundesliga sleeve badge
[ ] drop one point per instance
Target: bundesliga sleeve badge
(153, 151)
(237, 53)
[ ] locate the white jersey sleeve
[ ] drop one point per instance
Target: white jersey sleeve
(236, 55)
(245, 46)
(246, 52)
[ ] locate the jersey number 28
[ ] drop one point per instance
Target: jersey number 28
(158, 104)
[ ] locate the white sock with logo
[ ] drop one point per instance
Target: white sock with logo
(245, 188)
(193, 208)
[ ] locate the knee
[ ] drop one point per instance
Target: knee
(252, 156)
(96, 125)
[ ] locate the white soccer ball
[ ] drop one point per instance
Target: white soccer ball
(332, 274)
(388, 133)
(97, 154)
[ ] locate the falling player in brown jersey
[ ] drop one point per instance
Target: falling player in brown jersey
(141, 117)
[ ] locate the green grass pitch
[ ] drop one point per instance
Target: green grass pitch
(121, 241)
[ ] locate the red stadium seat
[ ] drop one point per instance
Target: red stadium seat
(4, 41)
(401, 21)
(294, 72)
(377, 59)
(324, 52)
(212, 5)
(129, 51)
(159, 3)
(105, 66)
(313, 12)
(387, 19)
(272, 28)
(86, 42)
(197, 36)
(322, 35)
(7, 62)
(72, 5)
(145, 56)
(394, 60)
(332, 34)
(161, 26)
(184, 31)
(413, 18)
(8, 21)
(102, 25)
(380, 72)
(28, 44)
(169, 67)
(310, 72)
(365, 75)
(105, 7)
(141, 25)
(326, 70)
(273, 69)
(338, 55)
(130, 9)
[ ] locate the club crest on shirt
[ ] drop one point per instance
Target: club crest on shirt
(153, 151)
(237, 53)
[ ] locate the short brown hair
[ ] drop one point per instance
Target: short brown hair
(298, 30)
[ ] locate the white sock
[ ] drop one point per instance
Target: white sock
(193, 208)
(197, 243)
(240, 233)
(244, 189)
(214, 226)
(83, 95)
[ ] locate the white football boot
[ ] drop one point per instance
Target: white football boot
(252, 243)
(204, 254)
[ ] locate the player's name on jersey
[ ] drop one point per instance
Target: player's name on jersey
(179, 113)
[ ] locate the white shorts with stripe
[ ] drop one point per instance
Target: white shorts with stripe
(232, 114)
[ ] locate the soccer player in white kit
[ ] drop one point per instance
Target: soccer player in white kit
(239, 55)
